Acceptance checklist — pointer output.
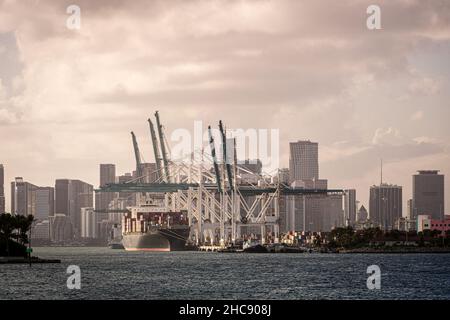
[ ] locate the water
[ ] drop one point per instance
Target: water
(117, 274)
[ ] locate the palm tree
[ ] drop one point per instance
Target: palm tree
(7, 226)
(23, 225)
(15, 226)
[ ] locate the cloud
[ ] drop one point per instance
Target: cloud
(417, 115)
(388, 136)
(424, 86)
(312, 72)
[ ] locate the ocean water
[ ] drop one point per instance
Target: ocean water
(117, 274)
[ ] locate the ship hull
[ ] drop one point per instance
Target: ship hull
(156, 240)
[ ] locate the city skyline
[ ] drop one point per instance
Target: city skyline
(272, 65)
(107, 168)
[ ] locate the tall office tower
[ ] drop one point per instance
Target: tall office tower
(409, 209)
(428, 194)
(23, 197)
(283, 176)
(350, 207)
(385, 205)
(107, 175)
(45, 203)
(60, 228)
(310, 213)
(70, 197)
(149, 172)
(303, 160)
(88, 223)
(2, 189)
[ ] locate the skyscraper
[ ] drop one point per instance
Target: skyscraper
(310, 213)
(385, 205)
(2, 189)
(88, 223)
(23, 197)
(45, 203)
(27, 198)
(107, 175)
(409, 209)
(350, 206)
(428, 194)
(303, 160)
(70, 197)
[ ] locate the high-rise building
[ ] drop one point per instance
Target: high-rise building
(2, 189)
(45, 203)
(88, 223)
(428, 194)
(148, 171)
(70, 197)
(385, 205)
(409, 209)
(312, 212)
(60, 228)
(27, 198)
(309, 213)
(349, 207)
(303, 160)
(107, 175)
(23, 197)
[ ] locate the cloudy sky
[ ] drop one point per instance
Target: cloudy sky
(312, 69)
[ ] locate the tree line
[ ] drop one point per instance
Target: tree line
(14, 228)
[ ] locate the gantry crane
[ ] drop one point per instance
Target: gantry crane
(163, 149)
(156, 153)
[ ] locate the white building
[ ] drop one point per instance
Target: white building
(88, 223)
(423, 222)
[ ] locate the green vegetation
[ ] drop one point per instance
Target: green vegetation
(348, 238)
(14, 234)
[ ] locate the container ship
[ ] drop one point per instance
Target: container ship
(152, 227)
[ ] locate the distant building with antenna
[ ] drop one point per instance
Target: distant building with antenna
(385, 203)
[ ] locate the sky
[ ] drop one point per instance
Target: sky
(311, 69)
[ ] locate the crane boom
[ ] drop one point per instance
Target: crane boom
(137, 155)
(227, 164)
(213, 154)
(155, 149)
(163, 148)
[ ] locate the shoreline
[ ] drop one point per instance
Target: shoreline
(20, 260)
(399, 250)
